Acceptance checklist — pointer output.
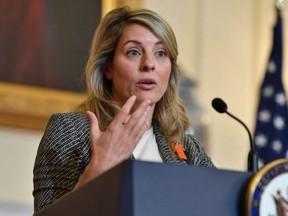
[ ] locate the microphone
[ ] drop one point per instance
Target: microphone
(220, 106)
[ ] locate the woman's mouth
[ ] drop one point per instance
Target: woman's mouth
(146, 84)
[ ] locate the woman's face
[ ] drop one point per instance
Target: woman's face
(141, 66)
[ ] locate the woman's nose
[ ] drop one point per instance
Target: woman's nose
(147, 63)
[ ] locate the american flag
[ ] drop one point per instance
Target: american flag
(271, 133)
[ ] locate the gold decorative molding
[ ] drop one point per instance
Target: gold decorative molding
(31, 107)
(108, 5)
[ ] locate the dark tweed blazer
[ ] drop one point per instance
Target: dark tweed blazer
(64, 153)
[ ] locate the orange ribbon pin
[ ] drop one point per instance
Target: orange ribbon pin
(179, 149)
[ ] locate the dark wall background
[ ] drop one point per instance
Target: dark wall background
(46, 42)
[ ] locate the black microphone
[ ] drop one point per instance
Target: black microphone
(220, 106)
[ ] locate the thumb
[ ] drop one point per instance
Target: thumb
(94, 127)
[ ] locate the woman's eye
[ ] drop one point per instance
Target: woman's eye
(133, 53)
(161, 53)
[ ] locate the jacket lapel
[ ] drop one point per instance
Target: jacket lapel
(164, 148)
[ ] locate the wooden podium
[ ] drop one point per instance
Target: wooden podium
(136, 188)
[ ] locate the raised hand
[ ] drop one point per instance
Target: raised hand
(110, 147)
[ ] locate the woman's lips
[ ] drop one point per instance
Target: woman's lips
(146, 84)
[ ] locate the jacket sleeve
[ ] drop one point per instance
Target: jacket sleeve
(61, 158)
(196, 152)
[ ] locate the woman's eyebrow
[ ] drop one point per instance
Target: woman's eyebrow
(138, 42)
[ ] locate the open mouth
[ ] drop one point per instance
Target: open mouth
(147, 82)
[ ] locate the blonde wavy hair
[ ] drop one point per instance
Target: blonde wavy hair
(169, 112)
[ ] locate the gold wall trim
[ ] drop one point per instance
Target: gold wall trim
(108, 5)
(31, 107)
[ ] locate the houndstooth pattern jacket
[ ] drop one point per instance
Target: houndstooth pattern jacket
(64, 153)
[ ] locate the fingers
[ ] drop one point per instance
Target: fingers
(136, 123)
(139, 121)
(124, 115)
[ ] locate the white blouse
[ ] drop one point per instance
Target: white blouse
(147, 148)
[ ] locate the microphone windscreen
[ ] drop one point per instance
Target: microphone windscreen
(219, 105)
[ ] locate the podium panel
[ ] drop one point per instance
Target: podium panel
(136, 188)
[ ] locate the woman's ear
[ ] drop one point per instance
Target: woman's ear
(107, 73)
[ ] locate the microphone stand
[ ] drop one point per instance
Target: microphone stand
(252, 156)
